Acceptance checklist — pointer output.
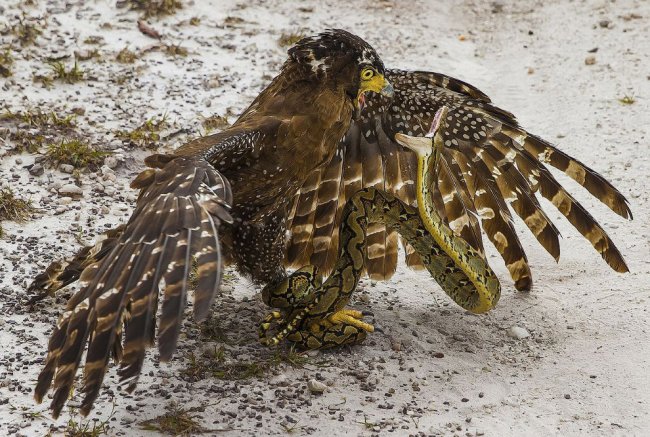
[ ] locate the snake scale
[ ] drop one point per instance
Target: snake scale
(314, 314)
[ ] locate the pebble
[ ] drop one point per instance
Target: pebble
(111, 161)
(316, 387)
(66, 168)
(518, 332)
(605, 24)
(590, 60)
(70, 190)
(36, 170)
(280, 379)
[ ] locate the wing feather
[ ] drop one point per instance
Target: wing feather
(176, 216)
(490, 165)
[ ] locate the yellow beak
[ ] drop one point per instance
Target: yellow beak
(378, 84)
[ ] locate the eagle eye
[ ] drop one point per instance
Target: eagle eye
(367, 73)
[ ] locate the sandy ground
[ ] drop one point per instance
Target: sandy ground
(582, 371)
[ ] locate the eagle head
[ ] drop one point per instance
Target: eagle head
(342, 59)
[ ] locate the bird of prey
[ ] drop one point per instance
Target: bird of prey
(266, 194)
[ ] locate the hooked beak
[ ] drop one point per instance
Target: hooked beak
(377, 84)
(387, 90)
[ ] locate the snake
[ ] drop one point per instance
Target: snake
(314, 313)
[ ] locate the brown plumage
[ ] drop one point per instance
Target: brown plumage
(221, 198)
(289, 163)
(490, 165)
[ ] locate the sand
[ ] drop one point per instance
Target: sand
(435, 369)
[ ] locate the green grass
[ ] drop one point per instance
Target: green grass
(41, 125)
(87, 428)
(25, 31)
(39, 119)
(176, 421)
(290, 38)
(26, 142)
(215, 122)
(14, 208)
(86, 55)
(6, 62)
(72, 75)
(126, 56)
(146, 135)
(218, 365)
(155, 8)
(94, 39)
(76, 153)
(176, 50)
(627, 100)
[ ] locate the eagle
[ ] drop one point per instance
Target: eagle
(266, 194)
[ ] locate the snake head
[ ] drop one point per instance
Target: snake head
(423, 146)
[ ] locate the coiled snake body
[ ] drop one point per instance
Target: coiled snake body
(314, 314)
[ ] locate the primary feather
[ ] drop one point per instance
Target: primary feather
(490, 165)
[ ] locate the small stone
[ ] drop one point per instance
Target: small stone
(518, 332)
(605, 24)
(65, 200)
(19, 161)
(590, 60)
(66, 168)
(438, 355)
(567, 396)
(70, 190)
(316, 387)
(280, 379)
(110, 162)
(36, 170)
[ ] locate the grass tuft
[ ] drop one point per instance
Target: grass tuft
(218, 365)
(39, 119)
(126, 56)
(146, 135)
(289, 39)
(6, 62)
(25, 31)
(94, 39)
(40, 126)
(176, 421)
(14, 208)
(215, 122)
(155, 8)
(87, 428)
(176, 50)
(76, 153)
(73, 75)
(627, 100)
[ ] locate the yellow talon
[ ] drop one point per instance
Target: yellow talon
(350, 317)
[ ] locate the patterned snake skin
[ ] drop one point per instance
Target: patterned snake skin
(314, 315)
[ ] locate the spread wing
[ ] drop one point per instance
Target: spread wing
(490, 167)
(177, 217)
